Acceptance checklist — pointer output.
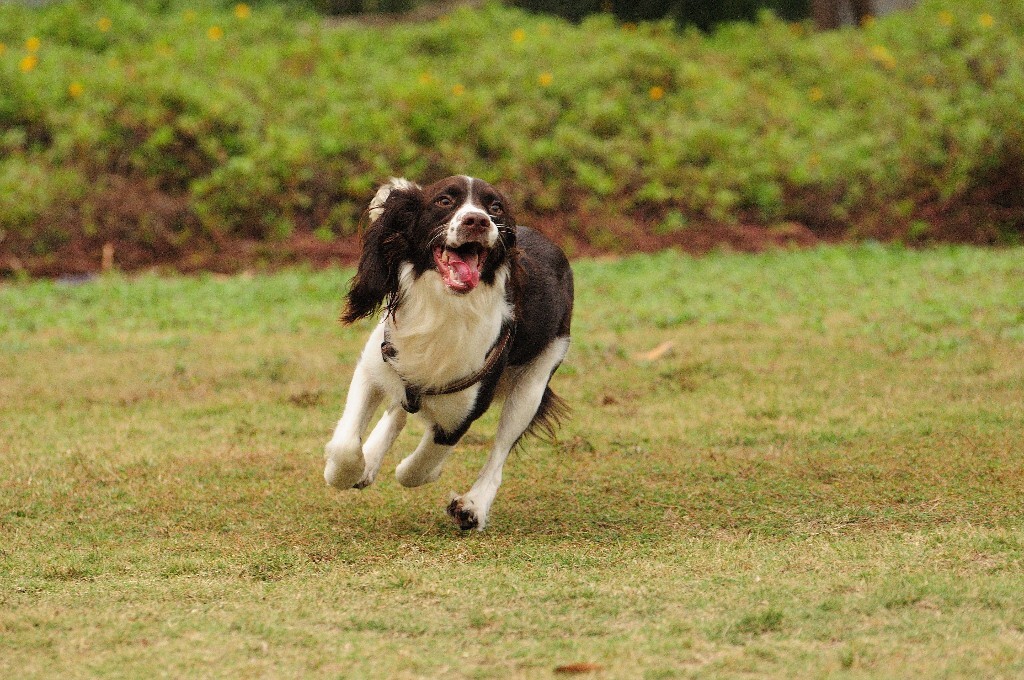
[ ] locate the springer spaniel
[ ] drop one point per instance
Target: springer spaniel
(475, 308)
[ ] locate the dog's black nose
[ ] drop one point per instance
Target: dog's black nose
(475, 223)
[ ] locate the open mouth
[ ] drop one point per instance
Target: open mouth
(460, 267)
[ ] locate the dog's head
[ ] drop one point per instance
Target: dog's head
(460, 229)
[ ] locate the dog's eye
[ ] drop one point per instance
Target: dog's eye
(444, 201)
(495, 209)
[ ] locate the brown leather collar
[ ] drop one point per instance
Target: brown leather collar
(413, 393)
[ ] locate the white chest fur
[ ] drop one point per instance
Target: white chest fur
(439, 336)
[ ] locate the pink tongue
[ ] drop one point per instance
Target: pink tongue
(465, 273)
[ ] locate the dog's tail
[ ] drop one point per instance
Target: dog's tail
(550, 414)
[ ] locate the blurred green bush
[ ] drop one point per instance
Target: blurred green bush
(704, 15)
(161, 124)
(361, 6)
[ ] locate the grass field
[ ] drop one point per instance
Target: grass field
(823, 477)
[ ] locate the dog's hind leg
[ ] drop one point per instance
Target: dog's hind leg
(470, 511)
(345, 464)
(379, 443)
(423, 465)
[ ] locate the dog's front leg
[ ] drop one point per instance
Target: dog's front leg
(345, 464)
(380, 441)
(470, 510)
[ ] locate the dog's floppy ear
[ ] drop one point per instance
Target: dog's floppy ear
(385, 244)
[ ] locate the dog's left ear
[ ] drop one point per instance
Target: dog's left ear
(385, 245)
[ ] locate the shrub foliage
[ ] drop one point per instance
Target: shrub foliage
(160, 126)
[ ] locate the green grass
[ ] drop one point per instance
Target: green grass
(824, 477)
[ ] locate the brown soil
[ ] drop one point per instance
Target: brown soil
(581, 236)
(134, 226)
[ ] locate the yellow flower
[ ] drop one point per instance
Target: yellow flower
(28, 63)
(425, 78)
(33, 44)
(518, 35)
(986, 20)
(75, 89)
(458, 90)
(882, 55)
(243, 11)
(946, 18)
(929, 79)
(657, 92)
(545, 79)
(104, 24)
(215, 33)
(816, 94)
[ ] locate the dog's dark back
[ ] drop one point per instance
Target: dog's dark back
(546, 295)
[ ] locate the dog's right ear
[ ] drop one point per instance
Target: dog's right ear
(392, 211)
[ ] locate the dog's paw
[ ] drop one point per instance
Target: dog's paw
(409, 472)
(344, 468)
(366, 480)
(466, 514)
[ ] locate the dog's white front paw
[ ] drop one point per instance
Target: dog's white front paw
(345, 464)
(369, 474)
(366, 480)
(467, 513)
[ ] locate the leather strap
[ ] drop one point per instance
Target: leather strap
(413, 394)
